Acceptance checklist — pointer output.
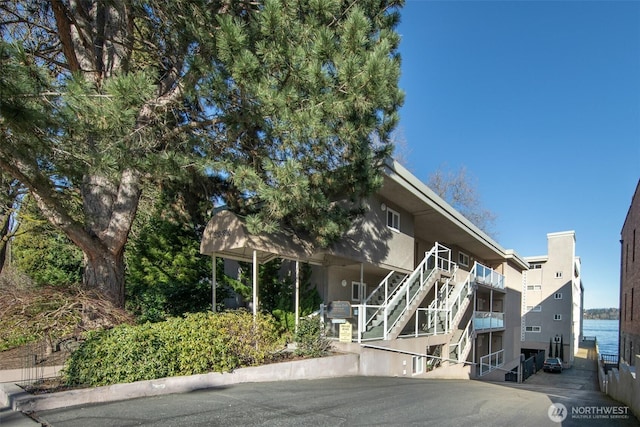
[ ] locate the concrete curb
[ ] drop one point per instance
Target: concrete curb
(326, 367)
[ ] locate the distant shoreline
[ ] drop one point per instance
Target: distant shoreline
(601, 314)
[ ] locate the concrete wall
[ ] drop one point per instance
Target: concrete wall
(327, 367)
(624, 386)
(380, 362)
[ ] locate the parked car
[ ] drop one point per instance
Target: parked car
(552, 364)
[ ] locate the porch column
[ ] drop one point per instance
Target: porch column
(213, 283)
(255, 283)
(297, 293)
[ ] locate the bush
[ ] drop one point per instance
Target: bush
(310, 339)
(196, 344)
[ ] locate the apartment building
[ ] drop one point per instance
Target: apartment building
(552, 299)
(629, 282)
(414, 288)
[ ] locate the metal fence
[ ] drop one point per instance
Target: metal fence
(532, 364)
(609, 361)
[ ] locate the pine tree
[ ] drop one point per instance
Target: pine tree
(273, 104)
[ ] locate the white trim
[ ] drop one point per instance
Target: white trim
(358, 291)
(417, 365)
(395, 219)
(461, 259)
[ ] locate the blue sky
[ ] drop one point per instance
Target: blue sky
(540, 102)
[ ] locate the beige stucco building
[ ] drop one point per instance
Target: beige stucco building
(629, 282)
(414, 288)
(552, 298)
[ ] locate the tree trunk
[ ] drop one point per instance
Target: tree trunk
(104, 271)
(4, 241)
(109, 208)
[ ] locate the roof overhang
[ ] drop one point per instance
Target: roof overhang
(435, 219)
(226, 235)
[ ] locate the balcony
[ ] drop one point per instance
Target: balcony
(485, 321)
(488, 277)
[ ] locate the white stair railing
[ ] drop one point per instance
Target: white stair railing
(460, 350)
(437, 259)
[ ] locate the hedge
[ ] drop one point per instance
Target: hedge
(194, 344)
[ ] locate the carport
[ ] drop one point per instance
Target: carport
(226, 236)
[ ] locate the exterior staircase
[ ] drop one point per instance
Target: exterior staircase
(459, 300)
(402, 296)
(415, 295)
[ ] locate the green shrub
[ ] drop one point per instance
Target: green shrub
(195, 344)
(310, 339)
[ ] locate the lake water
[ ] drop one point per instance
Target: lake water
(606, 331)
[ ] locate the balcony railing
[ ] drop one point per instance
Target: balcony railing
(487, 276)
(491, 362)
(485, 320)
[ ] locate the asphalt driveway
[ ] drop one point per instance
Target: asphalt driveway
(353, 401)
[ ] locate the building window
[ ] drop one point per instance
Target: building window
(557, 295)
(532, 328)
(625, 306)
(534, 308)
(557, 317)
(463, 259)
(535, 266)
(417, 365)
(358, 291)
(558, 274)
(534, 287)
(393, 219)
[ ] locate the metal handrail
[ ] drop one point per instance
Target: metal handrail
(467, 289)
(402, 290)
(418, 274)
(498, 356)
(385, 283)
(464, 341)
